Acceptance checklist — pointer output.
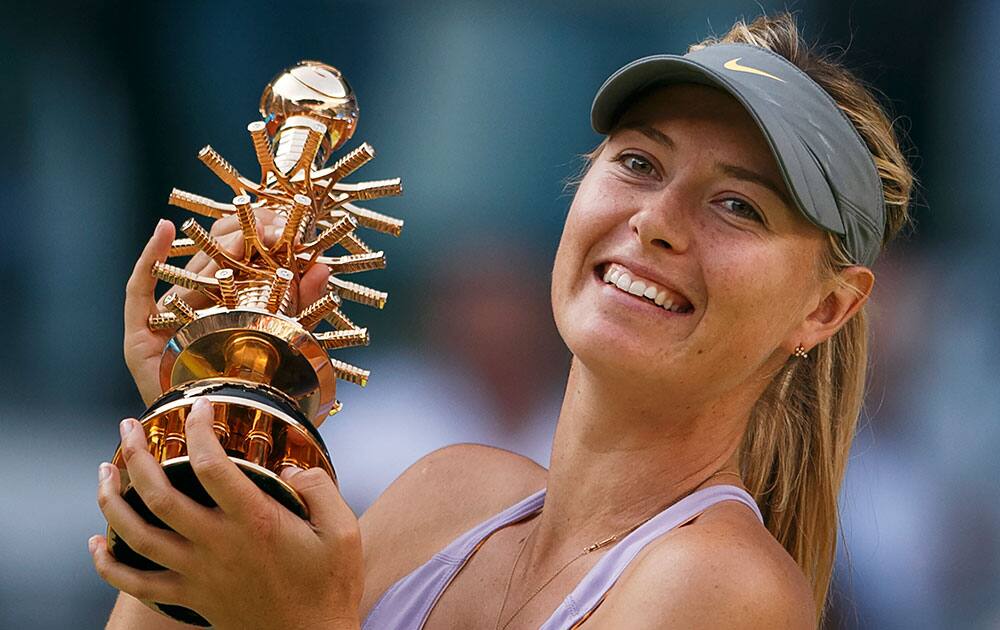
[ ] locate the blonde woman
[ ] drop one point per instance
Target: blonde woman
(711, 283)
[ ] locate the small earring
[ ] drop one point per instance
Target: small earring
(801, 352)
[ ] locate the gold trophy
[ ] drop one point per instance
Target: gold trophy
(268, 377)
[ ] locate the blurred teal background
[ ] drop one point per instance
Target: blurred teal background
(482, 109)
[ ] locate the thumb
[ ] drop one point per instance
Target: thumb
(327, 508)
(140, 302)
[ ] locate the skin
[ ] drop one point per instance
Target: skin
(654, 405)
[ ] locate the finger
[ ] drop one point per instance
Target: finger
(232, 490)
(162, 546)
(231, 223)
(184, 515)
(312, 286)
(202, 265)
(159, 586)
(225, 225)
(272, 231)
(229, 234)
(232, 243)
(328, 511)
(140, 300)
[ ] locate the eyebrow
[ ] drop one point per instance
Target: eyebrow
(738, 172)
(731, 170)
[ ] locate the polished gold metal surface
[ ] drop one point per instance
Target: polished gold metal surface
(311, 89)
(253, 352)
(304, 373)
(313, 98)
(249, 429)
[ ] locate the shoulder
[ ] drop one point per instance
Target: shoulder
(724, 570)
(442, 495)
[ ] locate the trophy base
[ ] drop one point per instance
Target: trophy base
(262, 433)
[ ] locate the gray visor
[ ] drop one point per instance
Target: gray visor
(826, 166)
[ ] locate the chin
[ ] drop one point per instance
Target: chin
(616, 351)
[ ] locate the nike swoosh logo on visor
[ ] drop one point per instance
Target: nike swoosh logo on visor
(733, 64)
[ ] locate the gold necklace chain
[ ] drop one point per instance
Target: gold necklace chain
(594, 547)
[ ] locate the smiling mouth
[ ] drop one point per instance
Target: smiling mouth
(643, 289)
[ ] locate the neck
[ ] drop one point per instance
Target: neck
(622, 454)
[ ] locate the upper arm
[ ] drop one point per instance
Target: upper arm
(707, 581)
(442, 495)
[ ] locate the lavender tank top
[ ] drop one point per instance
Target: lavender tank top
(408, 602)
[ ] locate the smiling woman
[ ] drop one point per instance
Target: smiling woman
(711, 283)
(685, 195)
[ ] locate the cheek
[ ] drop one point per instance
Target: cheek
(594, 211)
(592, 215)
(753, 297)
(568, 259)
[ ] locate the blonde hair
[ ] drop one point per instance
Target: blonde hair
(795, 450)
(794, 453)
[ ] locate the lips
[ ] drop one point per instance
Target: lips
(639, 282)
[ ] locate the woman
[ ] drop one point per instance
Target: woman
(710, 283)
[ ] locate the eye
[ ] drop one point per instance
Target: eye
(636, 163)
(742, 208)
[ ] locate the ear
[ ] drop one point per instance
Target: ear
(842, 297)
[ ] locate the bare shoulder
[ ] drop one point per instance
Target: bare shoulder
(442, 495)
(724, 570)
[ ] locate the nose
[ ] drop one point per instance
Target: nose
(661, 225)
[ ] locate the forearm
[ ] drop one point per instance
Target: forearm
(130, 613)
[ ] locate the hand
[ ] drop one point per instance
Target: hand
(143, 346)
(248, 563)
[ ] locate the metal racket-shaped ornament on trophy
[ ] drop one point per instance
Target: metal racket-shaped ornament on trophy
(252, 353)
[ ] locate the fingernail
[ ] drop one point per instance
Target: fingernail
(125, 427)
(277, 231)
(289, 471)
(200, 405)
(92, 544)
(281, 220)
(161, 222)
(103, 471)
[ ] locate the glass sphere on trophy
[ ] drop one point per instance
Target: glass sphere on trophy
(253, 353)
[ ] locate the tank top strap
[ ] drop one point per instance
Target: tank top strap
(594, 586)
(463, 546)
(408, 602)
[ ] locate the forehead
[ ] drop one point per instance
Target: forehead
(703, 110)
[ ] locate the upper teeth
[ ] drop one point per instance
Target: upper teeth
(625, 280)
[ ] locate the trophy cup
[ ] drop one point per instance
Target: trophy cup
(252, 353)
